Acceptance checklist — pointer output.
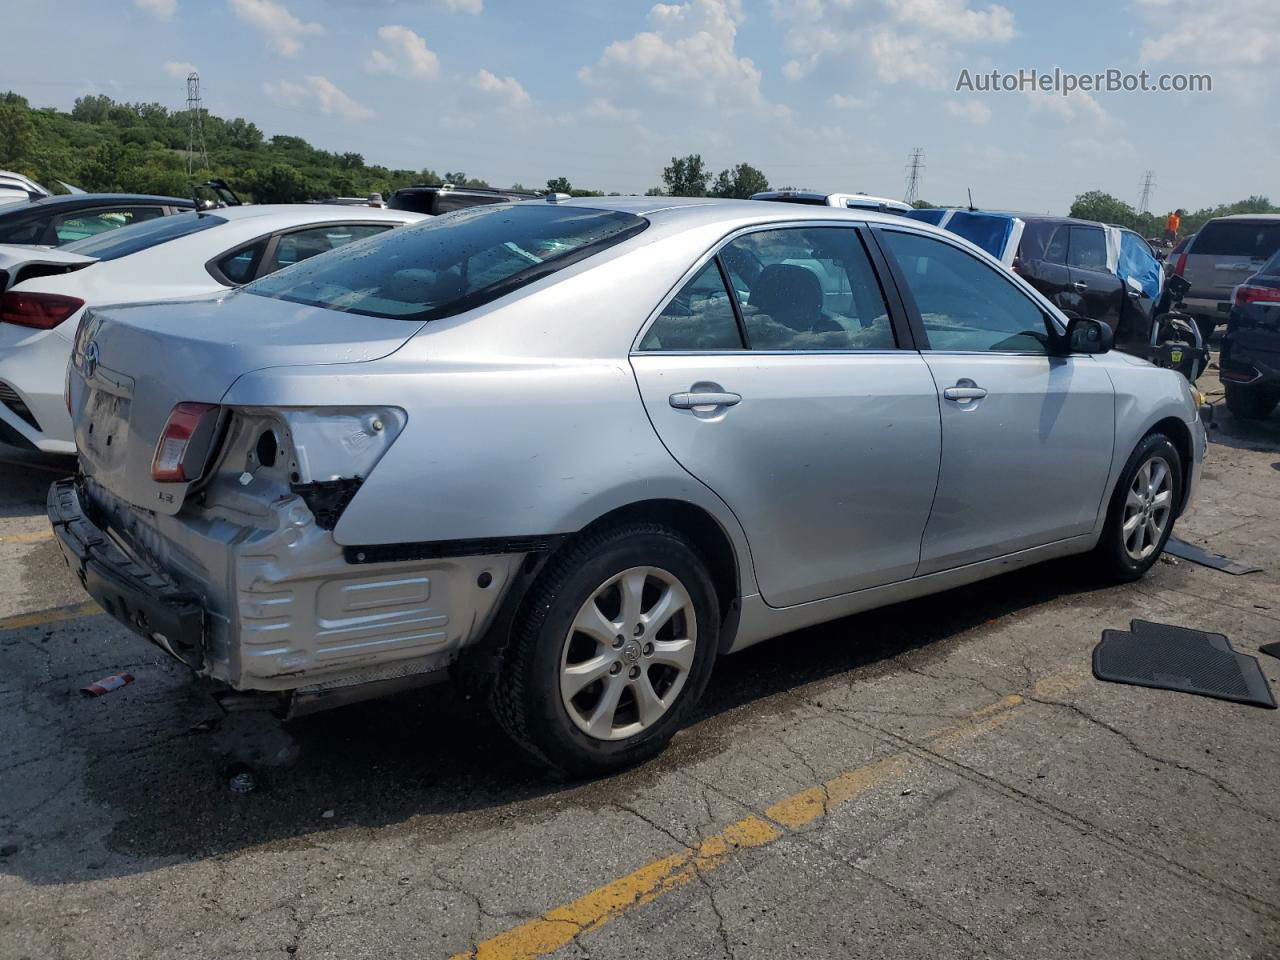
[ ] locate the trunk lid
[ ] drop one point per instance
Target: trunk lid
(18, 263)
(132, 364)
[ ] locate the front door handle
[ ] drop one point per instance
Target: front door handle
(687, 401)
(1080, 285)
(964, 394)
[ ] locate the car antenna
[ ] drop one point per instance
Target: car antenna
(971, 206)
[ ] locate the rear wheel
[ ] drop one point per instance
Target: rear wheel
(1250, 403)
(1141, 514)
(615, 644)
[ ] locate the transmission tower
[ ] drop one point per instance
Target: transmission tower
(1148, 184)
(195, 124)
(915, 173)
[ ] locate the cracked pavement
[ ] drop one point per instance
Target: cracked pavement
(945, 779)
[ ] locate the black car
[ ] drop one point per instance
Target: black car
(1249, 365)
(1066, 260)
(437, 198)
(54, 221)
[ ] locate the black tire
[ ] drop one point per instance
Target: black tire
(1250, 403)
(1207, 325)
(1110, 558)
(526, 696)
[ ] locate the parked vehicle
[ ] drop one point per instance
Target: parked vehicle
(1249, 364)
(437, 198)
(850, 201)
(47, 291)
(574, 451)
(56, 221)
(1090, 269)
(16, 188)
(1171, 256)
(1224, 252)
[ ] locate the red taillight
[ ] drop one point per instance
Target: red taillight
(1180, 265)
(44, 311)
(1247, 293)
(169, 463)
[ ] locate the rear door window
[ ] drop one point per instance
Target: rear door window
(29, 230)
(808, 288)
(299, 245)
(698, 318)
(1088, 248)
(241, 266)
(1235, 238)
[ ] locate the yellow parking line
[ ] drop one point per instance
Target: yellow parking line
(34, 537)
(55, 615)
(557, 927)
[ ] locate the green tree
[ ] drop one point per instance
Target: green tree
(278, 183)
(559, 185)
(923, 204)
(741, 182)
(17, 134)
(687, 176)
(1096, 205)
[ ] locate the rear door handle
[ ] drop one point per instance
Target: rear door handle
(687, 401)
(1080, 285)
(964, 394)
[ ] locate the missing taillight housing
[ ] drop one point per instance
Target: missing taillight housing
(42, 311)
(182, 451)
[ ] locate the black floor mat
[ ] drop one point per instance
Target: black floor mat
(1271, 649)
(1177, 658)
(1189, 551)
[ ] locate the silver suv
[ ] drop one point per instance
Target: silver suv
(1222, 255)
(572, 452)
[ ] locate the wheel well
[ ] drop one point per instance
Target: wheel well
(1177, 431)
(703, 531)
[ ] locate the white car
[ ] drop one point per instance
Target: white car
(848, 201)
(43, 293)
(16, 188)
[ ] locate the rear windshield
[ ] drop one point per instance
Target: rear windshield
(142, 236)
(927, 216)
(452, 263)
(1238, 238)
(985, 230)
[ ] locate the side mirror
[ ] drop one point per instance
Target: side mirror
(1086, 335)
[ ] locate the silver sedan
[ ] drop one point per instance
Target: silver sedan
(570, 453)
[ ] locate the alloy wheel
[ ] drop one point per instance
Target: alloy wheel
(1147, 508)
(628, 653)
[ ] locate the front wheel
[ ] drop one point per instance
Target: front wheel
(615, 644)
(1141, 514)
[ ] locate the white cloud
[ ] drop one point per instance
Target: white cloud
(164, 9)
(973, 111)
(179, 69)
(844, 102)
(281, 29)
(507, 89)
(320, 93)
(461, 6)
(909, 41)
(1210, 33)
(404, 54)
(690, 54)
(1078, 107)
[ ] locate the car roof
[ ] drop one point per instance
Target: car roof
(1263, 217)
(290, 213)
(93, 199)
(697, 211)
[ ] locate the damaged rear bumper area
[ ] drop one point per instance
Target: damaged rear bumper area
(137, 596)
(275, 609)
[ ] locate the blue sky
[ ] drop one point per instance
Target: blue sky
(828, 94)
